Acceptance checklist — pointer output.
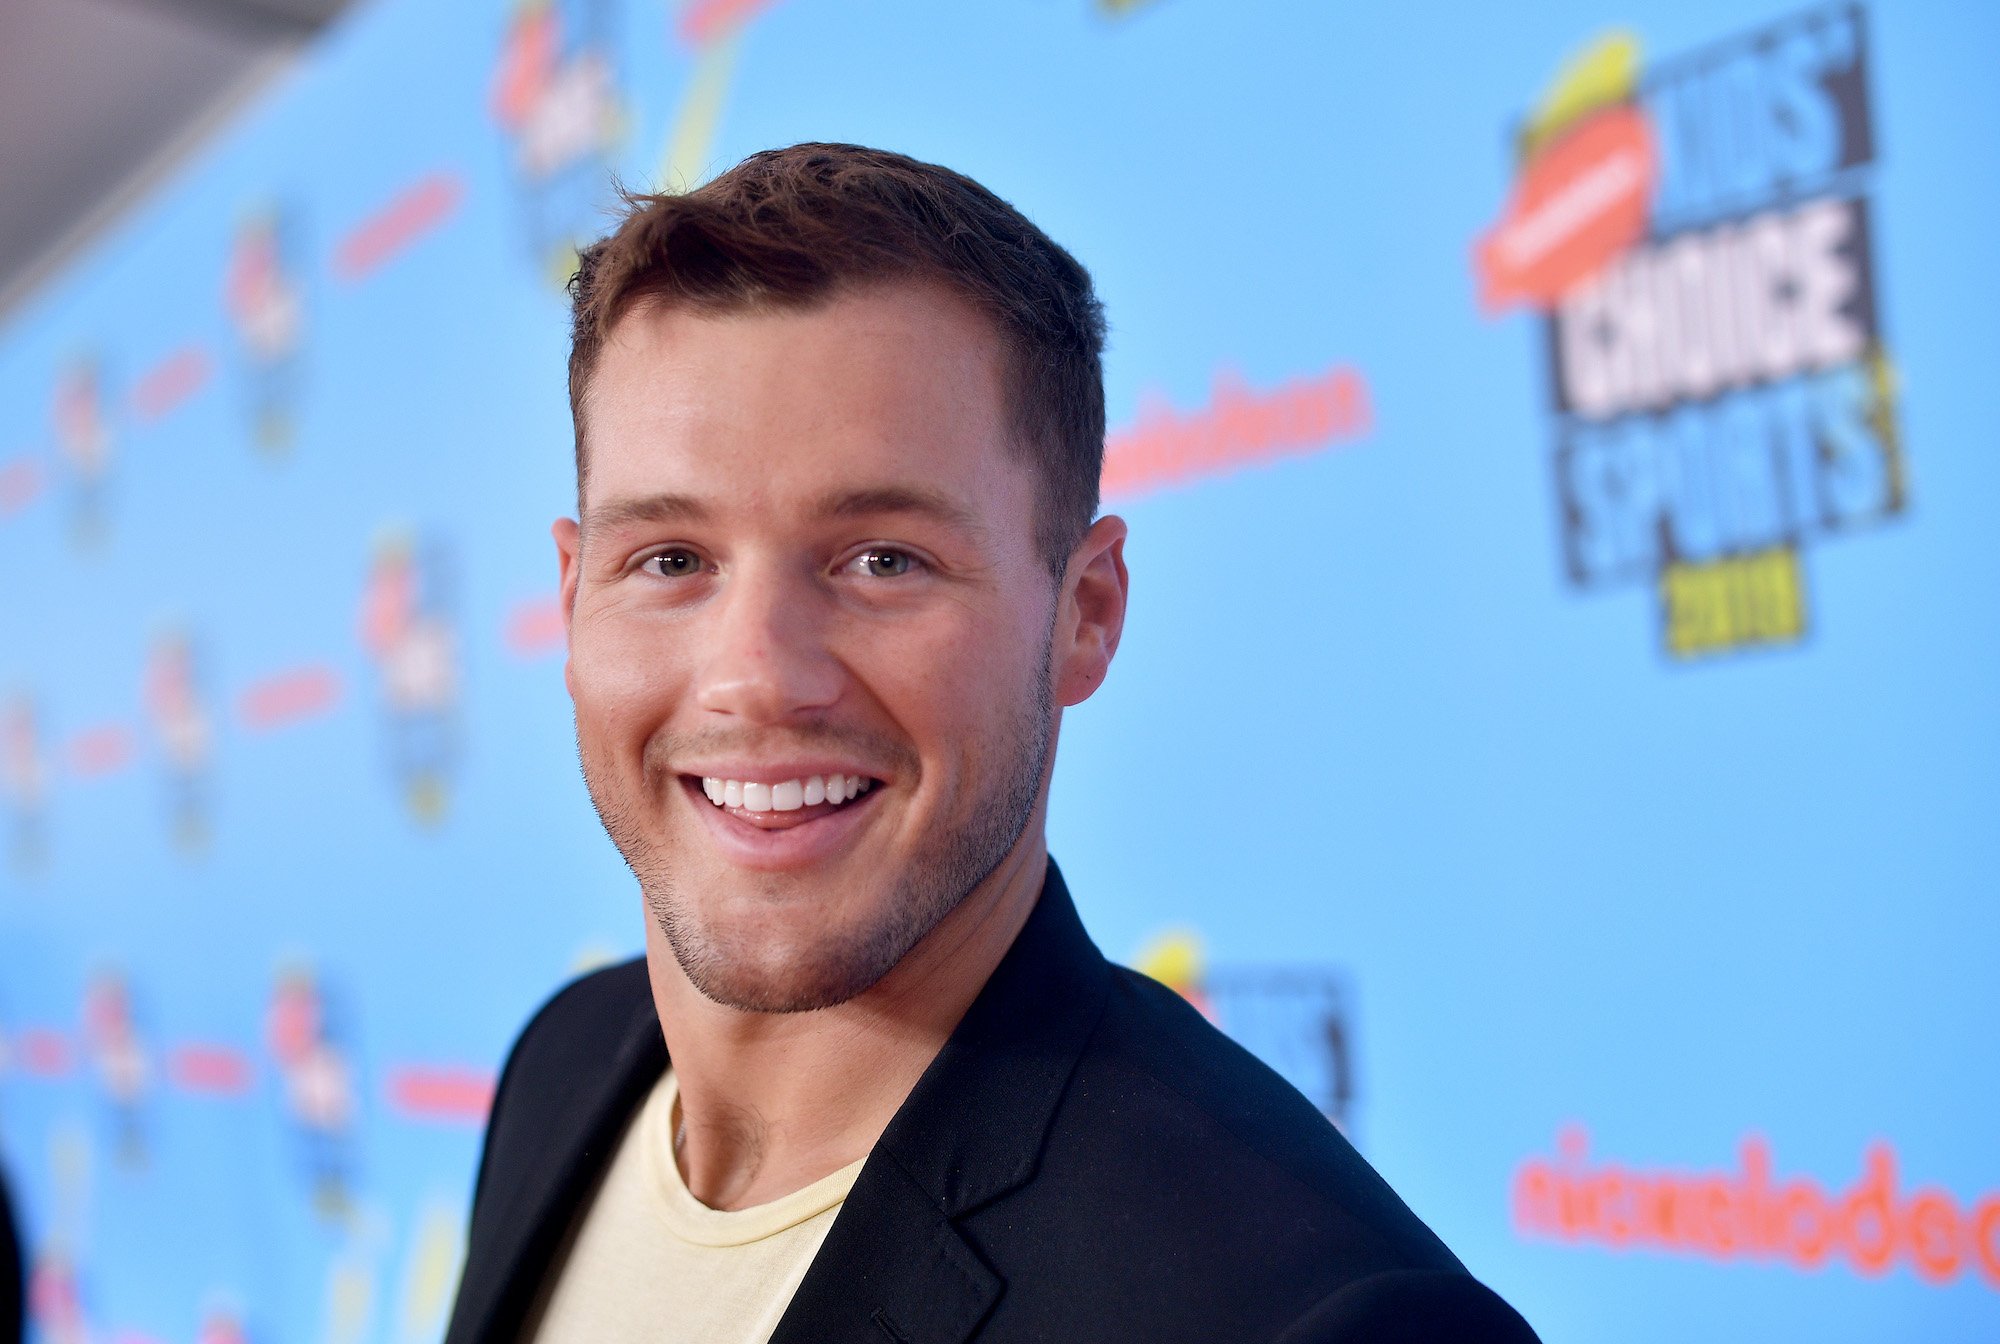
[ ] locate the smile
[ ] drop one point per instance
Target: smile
(784, 825)
(786, 796)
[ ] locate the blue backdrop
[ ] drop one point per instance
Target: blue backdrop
(1556, 724)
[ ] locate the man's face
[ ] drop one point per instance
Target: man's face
(807, 555)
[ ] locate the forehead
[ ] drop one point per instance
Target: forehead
(761, 408)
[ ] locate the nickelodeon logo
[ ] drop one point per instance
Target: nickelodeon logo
(1240, 426)
(1746, 1214)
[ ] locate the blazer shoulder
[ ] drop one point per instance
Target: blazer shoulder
(573, 1027)
(1222, 1105)
(567, 1036)
(1411, 1307)
(589, 1006)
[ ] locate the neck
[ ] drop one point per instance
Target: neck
(771, 1102)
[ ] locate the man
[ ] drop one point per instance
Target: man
(835, 575)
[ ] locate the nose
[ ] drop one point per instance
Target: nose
(765, 658)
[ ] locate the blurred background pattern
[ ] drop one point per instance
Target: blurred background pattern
(1557, 725)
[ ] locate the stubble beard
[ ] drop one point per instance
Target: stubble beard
(938, 877)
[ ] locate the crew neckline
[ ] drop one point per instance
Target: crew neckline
(695, 1222)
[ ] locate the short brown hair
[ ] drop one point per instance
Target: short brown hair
(791, 227)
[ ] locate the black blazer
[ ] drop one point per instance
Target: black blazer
(12, 1272)
(1087, 1160)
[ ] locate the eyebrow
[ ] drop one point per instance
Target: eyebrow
(873, 501)
(646, 509)
(915, 499)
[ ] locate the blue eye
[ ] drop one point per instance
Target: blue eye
(885, 564)
(677, 563)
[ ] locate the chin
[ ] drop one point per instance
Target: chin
(769, 970)
(795, 990)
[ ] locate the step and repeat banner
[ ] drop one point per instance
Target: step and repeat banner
(1559, 724)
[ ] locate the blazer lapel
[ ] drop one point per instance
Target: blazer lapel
(894, 1268)
(530, 1220)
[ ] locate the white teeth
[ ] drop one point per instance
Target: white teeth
(788, 796)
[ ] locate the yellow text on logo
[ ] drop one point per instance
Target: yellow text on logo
(1733, 602)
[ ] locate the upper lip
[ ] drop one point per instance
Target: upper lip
(776, 773)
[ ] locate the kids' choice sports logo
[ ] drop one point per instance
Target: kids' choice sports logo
(1696, 234)
(1297, 1019)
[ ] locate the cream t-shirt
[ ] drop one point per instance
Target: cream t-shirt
(651, 1262)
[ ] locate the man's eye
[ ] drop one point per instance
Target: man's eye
(885, 564)
(677, 563)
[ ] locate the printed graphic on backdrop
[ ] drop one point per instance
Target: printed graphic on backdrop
(55, 1299)
(410, 632)
(429, 1276)
(1872, 1227)
(353, 1280)
(1294, 1018)
(56, 1296)
(555, 96)
(713, 31)
(178, 708)
(1696, 233)
(82, 418)
(222, 1323)
(265, 300)
(246, 1051)
(121, 1062)
(24, 782)
(1240, 426)
(316, 1075)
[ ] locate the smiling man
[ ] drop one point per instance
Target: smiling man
(835, 576)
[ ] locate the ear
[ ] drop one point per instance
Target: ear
(569, 559)
(1090, 614)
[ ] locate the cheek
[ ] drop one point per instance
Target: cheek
(622, 676)
(954, 685)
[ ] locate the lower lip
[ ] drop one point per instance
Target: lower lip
(776, 849)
